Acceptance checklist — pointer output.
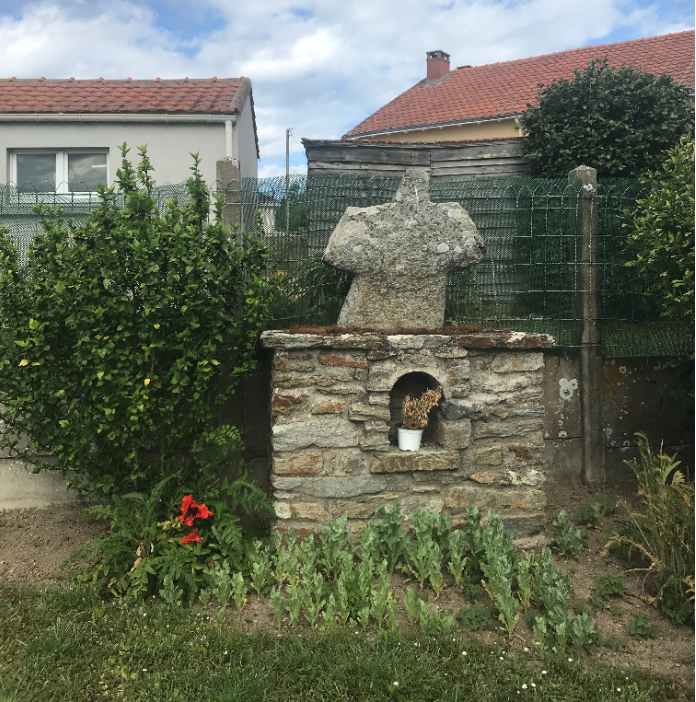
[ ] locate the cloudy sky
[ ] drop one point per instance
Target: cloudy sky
(318, 66)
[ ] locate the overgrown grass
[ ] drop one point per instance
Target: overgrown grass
(68, 644)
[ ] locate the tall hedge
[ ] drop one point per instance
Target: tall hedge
(620, 121)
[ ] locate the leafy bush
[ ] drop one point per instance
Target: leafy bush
(664, 532)
(125, 333)
(620, 121)
(475, 617)
(589, 515)
(662, 236)
(568, 540)
(643, 627)
(609, 586)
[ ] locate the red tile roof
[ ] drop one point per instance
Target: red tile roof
(208, 96)
(504, 89)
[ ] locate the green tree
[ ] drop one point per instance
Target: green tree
(662, 233)
(121, 336)
(620, 121)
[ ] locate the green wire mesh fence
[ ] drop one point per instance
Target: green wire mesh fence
(530, 280)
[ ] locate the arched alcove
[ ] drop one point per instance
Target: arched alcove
(414, 385)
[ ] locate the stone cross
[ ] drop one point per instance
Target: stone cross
(400, 254)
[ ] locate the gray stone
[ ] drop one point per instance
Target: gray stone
(340, 462)
(400, 254)
(333, 487)
(323, 431)
(508, 427)
(360, 412)
(454, 434)
(308, 462)
(516, 362)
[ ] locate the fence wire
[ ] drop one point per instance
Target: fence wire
(531, 278)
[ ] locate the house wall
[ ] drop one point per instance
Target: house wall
(169, 145)
(245, 148)
(494, 129)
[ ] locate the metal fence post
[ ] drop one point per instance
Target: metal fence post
(229, 179)
(591, 361)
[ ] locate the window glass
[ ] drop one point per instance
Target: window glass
(85, 172)
(36, 172)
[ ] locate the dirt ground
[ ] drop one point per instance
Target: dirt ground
(34, 545)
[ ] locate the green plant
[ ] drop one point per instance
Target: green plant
(380, 595)
(336, 547)
(424, 558)
(498, 570)
(620, 121)
(458, 560)
(278, 605)
(313, 597)
(293, 604)
(221, 586)
(411, 605)
(589, 515)
(475, 617)
(616, 643)
(608, 504)
(661, 240)
(124, 334)
(664, 533)
(392, 537)
(239, 591)
(568, 540)
(609, 586)
(523, 576)
(260, 566)
(643, 627)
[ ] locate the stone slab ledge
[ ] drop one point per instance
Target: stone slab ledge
(372, 341)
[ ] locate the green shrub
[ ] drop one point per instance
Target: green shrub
(568, 540)
(124, 335)
(620, 121)
(609, 586)
(664, 533)
(476, 618)
(643, 627)
(662, 236)
(589, 515)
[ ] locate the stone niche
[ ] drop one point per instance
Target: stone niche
(336, 402)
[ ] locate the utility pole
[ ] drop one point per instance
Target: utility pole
(287, 180)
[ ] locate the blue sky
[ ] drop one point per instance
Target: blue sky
(318, 66)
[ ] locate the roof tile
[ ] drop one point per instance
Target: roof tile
(226, 95)
(502, 89)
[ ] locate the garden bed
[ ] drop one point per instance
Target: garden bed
(35, 543)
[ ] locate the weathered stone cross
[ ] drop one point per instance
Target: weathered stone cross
(400, 254)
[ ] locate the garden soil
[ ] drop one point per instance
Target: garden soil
(34, 545)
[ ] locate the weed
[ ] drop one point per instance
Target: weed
(609, 586)
(475, 617)
(567, 540)
(664, 533)
(606, 502)
(590, 515)
(616, 643)
(643, 627)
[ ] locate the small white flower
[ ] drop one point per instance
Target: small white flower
(395, 684)
(463, 653)
(618, 689)
(524, 686)
(225, 653)
(144, 670)
(525, 649)
(501, 658)
(570, 660)
(543, 672)
(533, 685)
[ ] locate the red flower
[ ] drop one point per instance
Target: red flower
(196, 511)
(192, 538)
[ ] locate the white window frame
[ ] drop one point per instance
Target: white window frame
(61, 169)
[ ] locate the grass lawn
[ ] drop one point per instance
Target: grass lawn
(65, 643)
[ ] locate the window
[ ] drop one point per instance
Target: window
(64, 171)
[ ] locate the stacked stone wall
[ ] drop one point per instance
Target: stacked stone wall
(330, 436)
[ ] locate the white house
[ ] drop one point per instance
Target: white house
(64, 135)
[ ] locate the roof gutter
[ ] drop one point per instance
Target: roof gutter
(435, 125)
(124, 117)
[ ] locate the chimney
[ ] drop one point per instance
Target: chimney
(438, 64)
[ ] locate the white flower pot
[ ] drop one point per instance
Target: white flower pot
(409, 439)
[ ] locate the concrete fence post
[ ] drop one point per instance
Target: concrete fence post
(229, 179)
(591, 361)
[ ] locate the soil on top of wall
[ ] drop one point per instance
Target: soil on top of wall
(447, 330)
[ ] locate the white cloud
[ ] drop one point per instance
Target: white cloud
(271, 170)
(319, 66)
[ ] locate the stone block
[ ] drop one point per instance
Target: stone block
(524, 526)
(282, 509)
(485, 478)
(327, 407)
(517, 362)
(340, 462)
(361, 412)
(332, 487)
(531, 477)
(503, 428)
(289, 380)
(375, 441)
(342, 361)
(450, 351)
(355, 510)
(321, 431)
(273, 339)
(380, 399)
(485, 498)
(489, 456)
(412, 503)
(288, 406)
(504, 382)
(459, 391)
(396, 461)
(305, 363)
(458, 371)
(309, 510)
(308, 462)
(453, 434)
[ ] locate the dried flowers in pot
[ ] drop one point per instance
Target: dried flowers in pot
(414, 418)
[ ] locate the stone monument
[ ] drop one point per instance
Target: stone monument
(337, 393)
(400, 254)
